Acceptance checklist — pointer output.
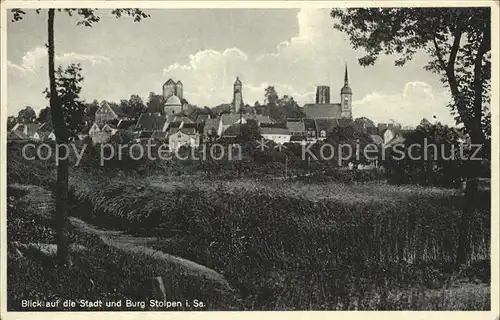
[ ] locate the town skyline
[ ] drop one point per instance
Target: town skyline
(297, 55)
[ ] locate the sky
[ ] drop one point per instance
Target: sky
(294, 50)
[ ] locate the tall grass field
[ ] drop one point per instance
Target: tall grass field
(285, 245)
(285, 248)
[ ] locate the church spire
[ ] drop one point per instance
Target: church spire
(346, 77)
(346, 89)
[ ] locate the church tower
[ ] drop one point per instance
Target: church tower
(346, 97)
(168, 88)
(237, 96)
(179, 90)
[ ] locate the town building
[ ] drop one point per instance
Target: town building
(27, 130)
(185, 135)
(237, 104)
(324, 109)
(278, 135)
(107, 112)
(173, 95)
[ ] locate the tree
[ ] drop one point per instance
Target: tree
(222, 108)
(44, 115)
(441, 166)
(458, 42)
(271, 96)
(132, 107)
(362, 124)
(88, 18)
(11, 122)
(249, 131)
(155, 103)
(68, 86)
(349, 135)
(26, 115)
(291, 108)
(125, 106)
(136, 106)
(90, 110)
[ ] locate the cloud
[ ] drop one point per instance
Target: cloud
(415, 101)
(316, 56)
(34, 60)
(72, 56)
(310, 58)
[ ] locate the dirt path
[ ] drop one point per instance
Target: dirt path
(122, 241)
(40, 200)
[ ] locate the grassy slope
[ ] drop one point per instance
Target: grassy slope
(363, 250)
(99, 272)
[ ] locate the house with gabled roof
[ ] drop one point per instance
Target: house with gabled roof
(325, 126)
(392, 136)
(378, 140)
(182, 119)
(46, 127)
(296, 127)
(311, 130)
(259, 118)
(107, 112)
(44, 136)
(278, 135)
(124, 124)
(185, 135)
(151, 122)
(160, 135)
(228, 119)
(14, 135)
(28, 129)
(202, 118)
(101, 132)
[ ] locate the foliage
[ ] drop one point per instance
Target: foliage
(362, 124)
(88, 17)
(64, 124)
(155, 103)
(90, 110)
(26, 115)
(349, 140)
(292, 109)
(438, 157)
(271, 96)
(11, 122)
(44, 116)
(248, 132)
(68, 86)
(133, 107)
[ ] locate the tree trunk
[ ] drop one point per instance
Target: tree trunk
(469, 198)
(61, 195)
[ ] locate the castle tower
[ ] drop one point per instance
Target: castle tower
(346, 97)
(237, 96)
(323, 95)
(179, 89)
(168, 88)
